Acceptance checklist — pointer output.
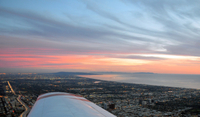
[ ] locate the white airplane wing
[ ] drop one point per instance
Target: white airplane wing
(59, 104)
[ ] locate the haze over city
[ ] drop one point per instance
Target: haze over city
(160, 36)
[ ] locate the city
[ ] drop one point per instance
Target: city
(132, 58)
(20, 91)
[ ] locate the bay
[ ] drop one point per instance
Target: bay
(172, 80)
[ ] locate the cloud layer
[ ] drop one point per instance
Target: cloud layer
(100, 32)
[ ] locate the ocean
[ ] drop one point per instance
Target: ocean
(172, 80)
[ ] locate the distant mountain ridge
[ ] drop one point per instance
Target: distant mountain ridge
(143, 73)
(74, 73)
(124, 72)
(98, 73)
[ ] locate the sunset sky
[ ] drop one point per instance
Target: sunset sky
(160, 36)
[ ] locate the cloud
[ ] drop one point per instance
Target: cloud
(56, 64)
(48, 27)
(106, 14)
(115, 29)
(185, 49)
(143, 58)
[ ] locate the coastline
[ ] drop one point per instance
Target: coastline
(168, 80)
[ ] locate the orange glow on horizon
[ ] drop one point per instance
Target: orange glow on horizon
(2, 73)
(171, 64)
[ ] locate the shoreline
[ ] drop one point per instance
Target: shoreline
(131, 80)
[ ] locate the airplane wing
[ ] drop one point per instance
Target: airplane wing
(59, 104)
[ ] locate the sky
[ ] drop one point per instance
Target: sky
(160, 36)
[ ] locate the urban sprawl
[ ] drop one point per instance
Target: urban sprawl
(18, 93)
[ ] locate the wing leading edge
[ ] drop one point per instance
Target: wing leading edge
(59, 104)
